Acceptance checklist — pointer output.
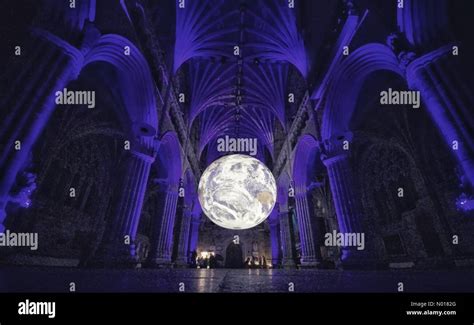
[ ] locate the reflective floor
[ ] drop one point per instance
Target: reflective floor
(40, 279)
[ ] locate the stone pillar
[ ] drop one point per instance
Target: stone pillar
(310, 256)
(448, 101)
(194, 233)
(275, 242)
(347, 205)
(162, 237)
(124, 222)
(183, 245)
(288, 258)
(47, 66)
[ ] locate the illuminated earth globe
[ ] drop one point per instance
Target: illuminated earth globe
(237, 192)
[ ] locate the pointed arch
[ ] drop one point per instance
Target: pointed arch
(135, 82)
(347, 82)
(305, 154)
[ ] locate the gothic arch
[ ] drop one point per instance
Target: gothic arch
(304, 157)
(245, 247)
(345, 87)
(132, 69)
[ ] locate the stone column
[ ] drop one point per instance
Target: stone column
(194, 233)
(163, 233)
(448, 100)
(116, 249)
(275, 242)
(46, 66)
(347, 205)
(310, 256)
(288, 258)
(183, 245)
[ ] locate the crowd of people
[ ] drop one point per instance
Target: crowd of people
(213, 261)
(254, 262)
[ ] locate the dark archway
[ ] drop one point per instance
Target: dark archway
(233, 256)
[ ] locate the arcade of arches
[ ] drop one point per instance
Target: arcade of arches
(115, 185)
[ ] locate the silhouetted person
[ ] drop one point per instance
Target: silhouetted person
(247, 263)
(212, 261)
(264, 262)
(253, 263)
(200, 262)
(193, 259)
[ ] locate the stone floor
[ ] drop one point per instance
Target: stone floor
(40, 279)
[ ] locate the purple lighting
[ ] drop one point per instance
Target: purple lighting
(465, 203)
(276, 37)
(21, 195)
(200, 32)
(112, 111)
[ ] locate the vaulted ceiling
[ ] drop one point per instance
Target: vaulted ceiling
(236, 62)
(234, 59)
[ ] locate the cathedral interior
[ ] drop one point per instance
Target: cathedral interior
(112, 110)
